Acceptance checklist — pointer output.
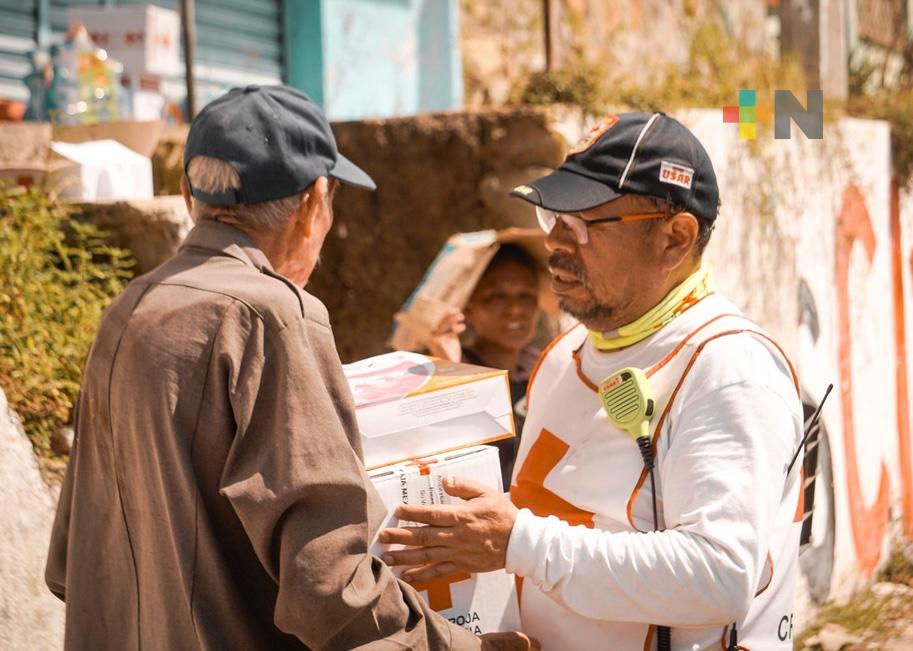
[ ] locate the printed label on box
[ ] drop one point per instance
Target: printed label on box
(480, 603)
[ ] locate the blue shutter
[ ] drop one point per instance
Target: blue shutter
(241, 34)
(18, 37)
(238, 41)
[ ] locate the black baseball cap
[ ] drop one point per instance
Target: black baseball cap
(630, 153)
(276, 139)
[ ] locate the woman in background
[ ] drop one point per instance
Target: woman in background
(498, 327)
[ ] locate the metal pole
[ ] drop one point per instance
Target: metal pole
(43, 21)
(189, 36)
(547, 15)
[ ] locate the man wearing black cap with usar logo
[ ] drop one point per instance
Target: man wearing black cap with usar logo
(215, 496)
(713, 561)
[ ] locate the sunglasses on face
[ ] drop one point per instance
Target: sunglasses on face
(580, 226)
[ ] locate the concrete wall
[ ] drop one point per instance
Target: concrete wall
(376, 58)
(503, 41)
(815, 241)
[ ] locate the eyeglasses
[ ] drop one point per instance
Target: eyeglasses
(580, 226)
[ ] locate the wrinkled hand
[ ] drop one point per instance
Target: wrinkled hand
(508, 642)
(445, 338)
(467, 537)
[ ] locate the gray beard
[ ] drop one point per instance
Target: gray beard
(592, 312)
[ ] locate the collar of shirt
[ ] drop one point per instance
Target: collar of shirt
(221, 238)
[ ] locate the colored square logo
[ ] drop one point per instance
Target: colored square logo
(747, 98)
(730, 114)
(748, 130)
(746, 114)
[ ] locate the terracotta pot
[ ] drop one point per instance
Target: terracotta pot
(11, 111)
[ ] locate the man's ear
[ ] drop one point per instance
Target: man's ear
(681, 232)
(311, 201)
(185, 191)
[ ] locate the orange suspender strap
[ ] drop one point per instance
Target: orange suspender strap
(678, 386)
(656, 367)
(658, 432)
(578, 365)
(668, 358)
(770, 564)
(548, 349)
(648, 640)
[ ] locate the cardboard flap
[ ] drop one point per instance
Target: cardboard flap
(453, 276)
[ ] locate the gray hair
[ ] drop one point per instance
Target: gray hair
(213, 175)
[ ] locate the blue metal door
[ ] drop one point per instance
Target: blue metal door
(239, 42)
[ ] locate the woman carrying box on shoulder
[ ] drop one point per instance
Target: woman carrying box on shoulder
(498, 329)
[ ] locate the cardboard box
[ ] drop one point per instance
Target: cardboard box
(410, 405)
(480, 603)
(144, 38)
(28, 158)
(102, 170)
(453, 276)
(143, 98)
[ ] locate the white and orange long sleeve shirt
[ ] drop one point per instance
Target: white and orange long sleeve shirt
(728, 420)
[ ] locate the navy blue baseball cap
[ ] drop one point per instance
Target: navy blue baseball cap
(276, 139)
(630, 153)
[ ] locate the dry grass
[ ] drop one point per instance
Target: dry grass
(873, 615)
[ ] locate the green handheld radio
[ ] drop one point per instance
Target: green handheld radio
(628, 401)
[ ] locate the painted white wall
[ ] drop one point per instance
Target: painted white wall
(779, 226)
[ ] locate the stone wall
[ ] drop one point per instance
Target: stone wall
(151, 229)
(31, 617)
(503, 41)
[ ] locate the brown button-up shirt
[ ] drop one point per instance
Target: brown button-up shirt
(216, 497)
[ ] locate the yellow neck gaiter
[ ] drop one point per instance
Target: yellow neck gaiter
(694, 288)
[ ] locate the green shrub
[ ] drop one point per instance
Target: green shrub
(56, 277)
(718, 65)
(580, 84)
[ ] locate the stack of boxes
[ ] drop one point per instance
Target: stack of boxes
(146, 39)
(423, 419)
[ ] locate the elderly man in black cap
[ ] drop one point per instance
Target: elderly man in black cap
(216, 497)
(688, 540)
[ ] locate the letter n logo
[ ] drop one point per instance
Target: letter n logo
(810, 119)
